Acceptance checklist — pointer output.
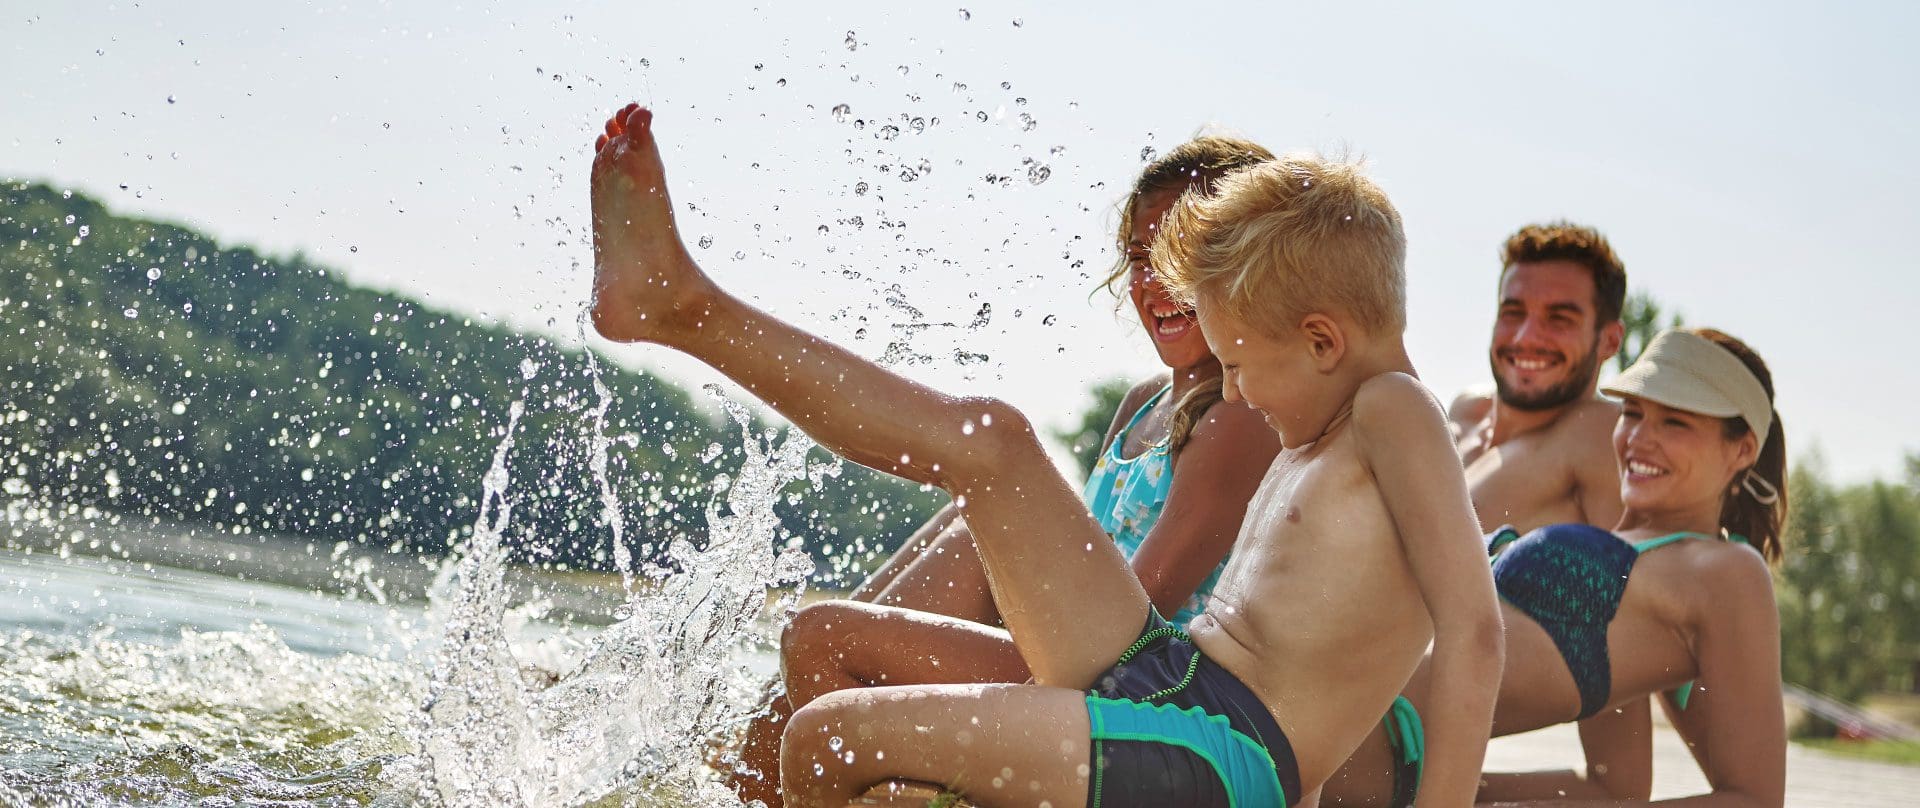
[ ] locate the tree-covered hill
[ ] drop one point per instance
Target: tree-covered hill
(146, 369)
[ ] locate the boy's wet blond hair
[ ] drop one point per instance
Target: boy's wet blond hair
(1286, 238)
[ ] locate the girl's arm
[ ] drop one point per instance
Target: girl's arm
(1214, 478)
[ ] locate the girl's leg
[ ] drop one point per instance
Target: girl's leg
(909, 552)
(947, 578)
(840, 645)
(1063, 589)
(998, 745)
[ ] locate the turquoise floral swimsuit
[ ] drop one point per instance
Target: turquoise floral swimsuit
(1126, 494)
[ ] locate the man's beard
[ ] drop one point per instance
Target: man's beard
(1578, 383)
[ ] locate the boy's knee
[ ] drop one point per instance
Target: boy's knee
(1001, 434)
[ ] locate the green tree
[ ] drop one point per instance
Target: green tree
(151, 371)
(1644, 319)
(1849, 587)
(1084, 439)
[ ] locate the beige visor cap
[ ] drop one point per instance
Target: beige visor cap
(1689, 372)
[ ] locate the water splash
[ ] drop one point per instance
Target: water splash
(652, 691)
(474, 734)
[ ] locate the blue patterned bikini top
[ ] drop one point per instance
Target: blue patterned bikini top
(1126, 494)
(1570, 579)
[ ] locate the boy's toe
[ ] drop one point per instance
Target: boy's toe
(639, 118)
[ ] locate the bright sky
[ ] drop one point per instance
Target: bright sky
(1753, 163)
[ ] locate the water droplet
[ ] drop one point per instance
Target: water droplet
(759, 66)
(528, 368)
(1027, 122)
(966, 428)
(1038, 173)
(153, 273)
(1147, 153)
(908, 175)
(822, 230)
(840, 112)
(965, 15)
(353, 248)
(1017, 22)
(131, 313)
(859, 124)
(170, 99)
(739, 255)
(852, 41)
(1006, 85)
(903, 70)
(860, 189)
(1048, 320)
(780, 83)
(834, 743)
(889, 132)
(69, 218)
(982, 115)
(706, 240)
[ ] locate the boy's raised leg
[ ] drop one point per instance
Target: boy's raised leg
(1065, 592)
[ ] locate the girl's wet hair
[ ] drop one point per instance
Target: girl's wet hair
(1743, 512)
(1195, 166)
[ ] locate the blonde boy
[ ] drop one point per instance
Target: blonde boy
(1358, 550)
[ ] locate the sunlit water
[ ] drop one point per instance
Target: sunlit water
(125, 682)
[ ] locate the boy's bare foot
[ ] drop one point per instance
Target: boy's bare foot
(645, 285)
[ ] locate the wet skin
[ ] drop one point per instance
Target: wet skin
(1321, 524)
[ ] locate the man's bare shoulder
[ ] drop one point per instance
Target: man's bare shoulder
(1589, 422)
(1469, 408)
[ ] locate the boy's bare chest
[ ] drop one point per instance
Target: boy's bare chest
(1304, 504)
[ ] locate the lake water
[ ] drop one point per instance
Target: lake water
(146, 664)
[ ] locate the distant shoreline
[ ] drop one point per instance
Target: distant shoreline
(581, 596)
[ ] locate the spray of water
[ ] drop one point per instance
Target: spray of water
(638, 714)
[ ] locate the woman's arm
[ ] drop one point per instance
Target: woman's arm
(1214, 476)
(1619, 750)
(1744, 732)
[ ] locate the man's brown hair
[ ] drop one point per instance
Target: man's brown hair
(1565, 241)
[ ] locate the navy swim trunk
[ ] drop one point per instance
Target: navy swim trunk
(1171, 727)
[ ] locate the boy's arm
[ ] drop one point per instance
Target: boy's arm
(1403, 438)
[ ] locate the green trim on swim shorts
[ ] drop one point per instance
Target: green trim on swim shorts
(1211, 737)
(1408, 739)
